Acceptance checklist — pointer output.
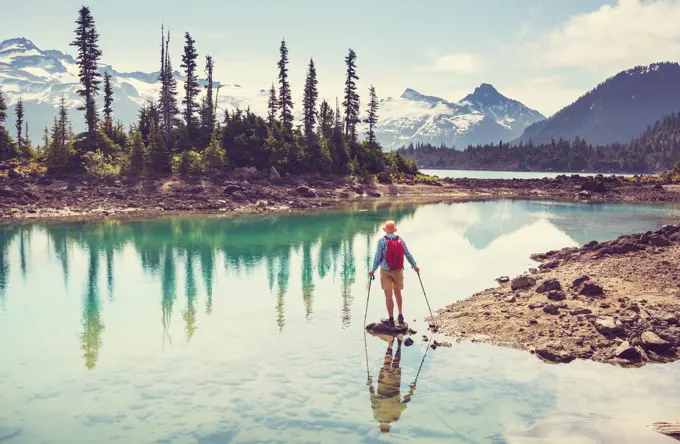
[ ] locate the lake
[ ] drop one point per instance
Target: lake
(474, 174)
(250, 329)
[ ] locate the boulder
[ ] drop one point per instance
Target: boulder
(556, 295)
(305, 191)
(14, 174)
(580, 311)
(607, 325)
(652, 341)
(658, 241)
(382, 328)
(549, 285)
(503, 280)
(578, 281)
(232, 188)
(549, 265)
(384, 178)
(274, 174)
(408, 342)
(591, 288)
(510, 299)
(551, 309)
(627, 351)
(522, 282)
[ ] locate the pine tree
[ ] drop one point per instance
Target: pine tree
(7, 149)
(168, 93)
(46, 138)
(372, 118)
(65, 131)
(137, 154)
(191, 90)
(326, 120)
(207, 109)
(19, 112)
(27, 141)
(285, 95)
(311, 94)
(351, 102)
(272, 107)
(108, 101)
(88, 62)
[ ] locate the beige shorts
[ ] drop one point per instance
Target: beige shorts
(392, 279)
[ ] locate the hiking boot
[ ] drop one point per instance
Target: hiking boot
(388, 322)
(400, 319)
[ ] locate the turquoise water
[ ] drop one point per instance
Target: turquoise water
(474, 174)
(250, 329)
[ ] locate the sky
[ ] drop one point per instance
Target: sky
(543, 53)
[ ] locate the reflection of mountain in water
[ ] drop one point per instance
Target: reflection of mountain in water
(168, 248)
(483, 222)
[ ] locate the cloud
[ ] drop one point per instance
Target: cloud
(456, 63)
(614, 38)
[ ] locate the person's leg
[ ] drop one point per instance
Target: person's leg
(389, 302)
(397, 296)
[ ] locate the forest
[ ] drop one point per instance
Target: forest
(656, 149)
(191, 138)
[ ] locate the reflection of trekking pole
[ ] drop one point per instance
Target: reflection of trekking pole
(428, 302)
(368, 376)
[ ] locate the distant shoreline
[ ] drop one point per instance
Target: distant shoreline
(34, 197)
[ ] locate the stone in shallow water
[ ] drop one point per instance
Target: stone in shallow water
(382, 328)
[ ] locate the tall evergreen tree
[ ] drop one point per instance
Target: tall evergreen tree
(285, 95)
(191, 90)
(19, 112)
(65, 131)
(7, 150)
(88, 62)
(208, 118)
(168, 93)
(311, 95)
(372, 118)
(46, 138)
(326, 120)
(272, 107)
(351, 102)
(108, 102)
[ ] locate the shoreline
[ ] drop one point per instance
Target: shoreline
(615, 302)
(40, 198)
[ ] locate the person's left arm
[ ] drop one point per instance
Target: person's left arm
(409, 256)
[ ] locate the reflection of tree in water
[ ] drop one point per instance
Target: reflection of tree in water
(90, 338)
(325, 241)
(307, 277)
(189, 314)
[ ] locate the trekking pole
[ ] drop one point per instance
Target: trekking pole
(426, 300)
(367, 299)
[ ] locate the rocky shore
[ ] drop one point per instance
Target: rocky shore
(30, 195)
(616, 302)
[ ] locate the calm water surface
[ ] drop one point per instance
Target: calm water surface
(250, 329)
(474, 174)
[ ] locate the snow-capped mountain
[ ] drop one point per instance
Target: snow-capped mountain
(40, 77)
(481, 117)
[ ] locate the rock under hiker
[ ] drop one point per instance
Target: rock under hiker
(390, 258)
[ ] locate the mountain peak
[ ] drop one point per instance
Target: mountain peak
(412, 94)
(15, 44)
(486, 90)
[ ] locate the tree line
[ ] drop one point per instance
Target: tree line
(190, 138)
(656, 149)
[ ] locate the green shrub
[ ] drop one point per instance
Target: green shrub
(214, 158)
(99, 165)
(189, 163)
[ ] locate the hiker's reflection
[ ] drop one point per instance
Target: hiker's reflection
(387, 403)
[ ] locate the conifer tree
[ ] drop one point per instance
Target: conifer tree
(137, 154)
(207, 109)
(285, 95)
(19, 112)
(372, 118)
(64, 128)
(108, 101)
(88, 62)
(46, 138)
(272, 107)
(311, 94)
(326, 120)
(27, 141)
(351, 102)
(7, 150)
(191, 90)
(168, 93)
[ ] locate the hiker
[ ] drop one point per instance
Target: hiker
(390, 258)
(386, 403)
